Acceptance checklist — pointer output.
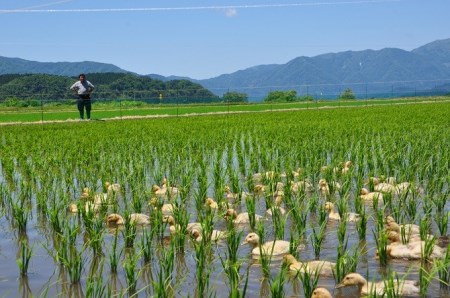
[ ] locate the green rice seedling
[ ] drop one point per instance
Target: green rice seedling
(361, 224)
(443, 269)
(424, 226)
(345, 264)
(393, 285)
(181, 217)
(114, 256)
(147, 245)
(129, 230)
(278, 282)
(25, 253)
(162, 285)
(427, 249)
(425, 279)
(411, 208)
(131, 272)
(96, 236)
(230, 263)
(341, 236)
(322, 215)
(381, 242)
(74, 263)
(441, 220)
(20, 214)
(387, 199)
(313, 204)
(279, 223)
(55, 220)
(250, 202)
(265, 258)
(95, 286)
(405, 235)
(299, 219)
(317, 238)
(309, 280)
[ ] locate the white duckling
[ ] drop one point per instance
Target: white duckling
(321, 293)
(277, 206)
(241, 218)
(216, 235)
(347, 167)
(277, 247)
(259, 189)
(135, 218)
(333, 215)
(324, 268)
(370, 196)
(405, 287)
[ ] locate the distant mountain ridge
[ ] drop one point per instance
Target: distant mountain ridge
(367, 72)
(21, 66)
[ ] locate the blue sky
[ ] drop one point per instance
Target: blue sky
(203, 39)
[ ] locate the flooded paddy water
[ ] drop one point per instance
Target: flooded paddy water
(78, 254)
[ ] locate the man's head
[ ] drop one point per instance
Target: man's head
(82, 77)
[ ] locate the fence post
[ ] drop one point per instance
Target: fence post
(42, 108)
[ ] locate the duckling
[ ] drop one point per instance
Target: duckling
(324, 189)
(216, 235)
(173, 227)
(392, 225)
(280, 209)
(259, 189)
(163, 191)
(405, 287)
(384, 187)
(277, 247)
(321, 293)
(241, 218)
(332, 214)
(166, 209)
(210, 203)
(112, 187)
(412, 251)
(324, 268)
(370, 196)
(303, 185)
(346, 168)
(73, 208)
(235, 196)
(136, 218)
(86, 193)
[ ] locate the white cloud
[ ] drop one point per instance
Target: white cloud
(231, 12)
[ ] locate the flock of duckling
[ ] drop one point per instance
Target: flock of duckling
(396, 248)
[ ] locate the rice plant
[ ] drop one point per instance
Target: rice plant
(317, 238)
(25, 253)
(131, 271)
(309, 280)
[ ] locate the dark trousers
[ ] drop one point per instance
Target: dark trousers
(82, 104)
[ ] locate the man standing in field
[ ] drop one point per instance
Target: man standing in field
(83, 88)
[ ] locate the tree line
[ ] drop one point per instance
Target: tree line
(108, 86)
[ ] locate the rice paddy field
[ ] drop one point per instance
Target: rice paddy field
(61, 186)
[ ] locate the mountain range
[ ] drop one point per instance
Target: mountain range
(367, 72)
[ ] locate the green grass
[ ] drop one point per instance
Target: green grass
(101, 110)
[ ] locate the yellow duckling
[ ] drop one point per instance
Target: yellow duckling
(405, 287)
(277, 247)
(410, 229)
(173, 227)
(210, 203)
(332, 214)
(324, 268)
(370, 196)
(216, 235)
(135, 218)
(412, 251)
(321, 293)
(241, 218)
(166, 209)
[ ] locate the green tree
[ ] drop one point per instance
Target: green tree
(235, 97)
(347, 94)
(281, 96)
